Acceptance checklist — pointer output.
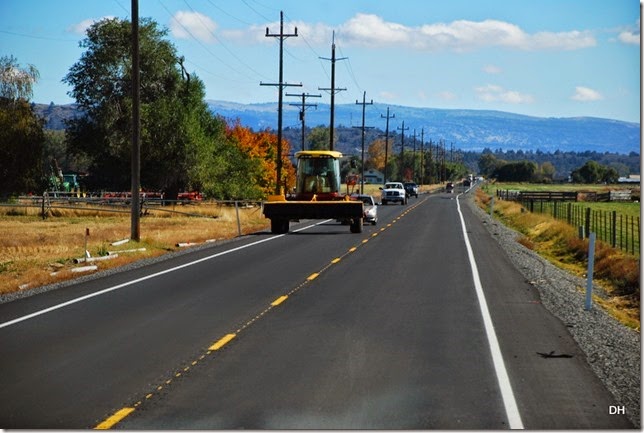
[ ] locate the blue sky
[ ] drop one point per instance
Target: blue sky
(549, 58)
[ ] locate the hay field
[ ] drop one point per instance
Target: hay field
(35, 252)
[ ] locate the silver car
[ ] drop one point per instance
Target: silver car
(370, 208)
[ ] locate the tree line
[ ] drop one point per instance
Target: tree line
(183, 145)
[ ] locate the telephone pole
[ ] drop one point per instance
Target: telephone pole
(402, 149)
(422, 156)
(303, 106)
(413, 160)
(135, 212)
(282, 36)
(332, 89)
(364, 104)
(387, 138)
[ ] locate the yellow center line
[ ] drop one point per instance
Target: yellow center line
(279, 300)
(124, 412)
(222, 342)
(118, 416)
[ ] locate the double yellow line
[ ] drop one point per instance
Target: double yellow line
(122, 413)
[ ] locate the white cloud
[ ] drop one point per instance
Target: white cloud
(585, 94)
(81, 27)
(492, 69)
(495, 93)
(631, 36)
(185, 25)
(370, 30)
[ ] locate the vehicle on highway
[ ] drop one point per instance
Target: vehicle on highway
(370, 208)
(449, 187)
(317, 194)
(411, 188)
(393, 192)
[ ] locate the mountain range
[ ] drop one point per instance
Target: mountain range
(469, 130)
(472, 130)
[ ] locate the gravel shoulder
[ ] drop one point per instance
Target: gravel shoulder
(612, 350)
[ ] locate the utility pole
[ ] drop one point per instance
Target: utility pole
(387, 138)
(364, 104)
(303, 106)
(282, 36)
(431, 161)
(402, 149)
(332, 89)
(413, 160)
(422, 156)
(135, 212)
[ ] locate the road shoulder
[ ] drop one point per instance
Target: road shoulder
(611, 350)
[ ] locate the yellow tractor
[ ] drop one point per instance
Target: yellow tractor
(317, 194)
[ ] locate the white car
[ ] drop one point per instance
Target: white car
(370, 208)
(393, 192)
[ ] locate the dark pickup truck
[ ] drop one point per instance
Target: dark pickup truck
(411, 189)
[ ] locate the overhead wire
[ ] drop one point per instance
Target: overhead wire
(231, 52)
(203, 46)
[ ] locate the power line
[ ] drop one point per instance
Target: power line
(387, 138)
(232, 53)
(363, 128)
(402, 149)
(201, 44)
(332, 89)
(282, 36)
(303, 106)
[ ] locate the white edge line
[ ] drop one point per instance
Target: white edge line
(511, 408)
(147, 277)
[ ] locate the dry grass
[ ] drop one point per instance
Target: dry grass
(32, 249)
(616, 272)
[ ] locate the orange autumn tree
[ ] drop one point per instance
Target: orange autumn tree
(262, 146)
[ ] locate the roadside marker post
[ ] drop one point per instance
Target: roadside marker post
(591, 265)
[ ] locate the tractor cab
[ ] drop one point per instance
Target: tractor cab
(318, 174)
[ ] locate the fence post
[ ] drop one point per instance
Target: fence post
(239, 232)
(591, 264)
(569, 213)
(492, 206)
(613, 234)
(587, 223)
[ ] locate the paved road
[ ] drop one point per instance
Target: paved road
(315, 329)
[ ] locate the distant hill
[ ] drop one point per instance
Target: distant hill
(468, 130)
(55, 115)
(472, 130)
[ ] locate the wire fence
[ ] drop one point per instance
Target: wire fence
(121, 204)
(619, 230)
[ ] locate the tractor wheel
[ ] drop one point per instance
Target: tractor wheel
(356, 225)
(279, 226)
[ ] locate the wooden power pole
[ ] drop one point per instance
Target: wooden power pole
(282, 36)
(135, 226)
(332, 89)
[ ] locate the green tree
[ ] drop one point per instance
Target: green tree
(522, 171)
(173, 113)
(590, 172)
(16, 83)
(488, 163)
(21, 131)
(318, 138)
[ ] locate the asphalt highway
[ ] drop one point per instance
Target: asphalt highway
(419, 322)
